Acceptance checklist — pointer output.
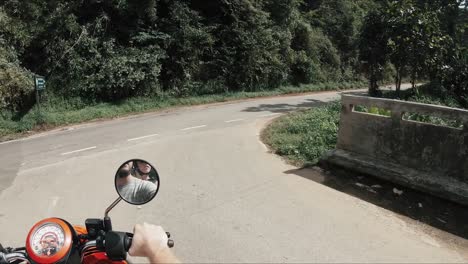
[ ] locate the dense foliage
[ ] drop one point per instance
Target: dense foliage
(304, 137)
(421, 39)
(107, 50)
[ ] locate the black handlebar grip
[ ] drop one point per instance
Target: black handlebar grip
(128, 243)
(116, 245)
(129, 240)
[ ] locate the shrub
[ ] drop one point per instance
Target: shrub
(305, 136)
(16, 84)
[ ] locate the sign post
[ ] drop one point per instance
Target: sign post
(39, 85)
(40, 82)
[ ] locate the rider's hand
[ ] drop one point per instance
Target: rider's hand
(148, 241)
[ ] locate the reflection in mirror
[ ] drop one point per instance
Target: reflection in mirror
(137, 181)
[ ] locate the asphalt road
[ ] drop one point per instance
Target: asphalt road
(223, 197)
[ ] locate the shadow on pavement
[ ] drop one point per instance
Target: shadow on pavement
(434, 211)
(10, 163)
(364, 93)
(282, 108)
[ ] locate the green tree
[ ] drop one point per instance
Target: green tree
(414, 36)
(315, 58)
(247, 53)
(16, 86)
(341, 21)
(373, 49)
(188, 47)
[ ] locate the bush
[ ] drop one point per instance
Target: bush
(248, 53)
(189, 46)
(315, 58)
(304, 69)
(454, 78)
(324, 52)
(117, 73)
(388, 74)
(303, 137)
(16, 85)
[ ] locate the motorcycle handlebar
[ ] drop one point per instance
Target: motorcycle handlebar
(117, 244)
(129, 239)
(8, 257)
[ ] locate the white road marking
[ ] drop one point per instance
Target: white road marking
(272, 114)
(234, 120)
(78, 150)
(195, 127)
(142, 137)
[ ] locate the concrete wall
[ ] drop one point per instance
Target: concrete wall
(421, 155)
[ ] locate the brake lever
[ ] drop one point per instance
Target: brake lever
(170, 242)
(3, 259)
(2, 249)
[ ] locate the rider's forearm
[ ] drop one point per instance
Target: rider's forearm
(164, 256)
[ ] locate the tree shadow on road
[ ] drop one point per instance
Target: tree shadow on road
(283, 108)
(360, 93)
(434, 211)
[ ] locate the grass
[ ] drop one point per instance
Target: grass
(58, 112)
(303, 137)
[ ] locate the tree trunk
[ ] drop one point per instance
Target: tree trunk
(373, 87)
(398, 82)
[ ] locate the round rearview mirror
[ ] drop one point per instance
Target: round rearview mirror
(137, 181)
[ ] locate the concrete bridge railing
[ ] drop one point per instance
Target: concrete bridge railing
(424, 156)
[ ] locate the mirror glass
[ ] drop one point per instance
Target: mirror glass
(137, 181)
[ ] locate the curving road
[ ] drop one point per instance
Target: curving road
(223, 196)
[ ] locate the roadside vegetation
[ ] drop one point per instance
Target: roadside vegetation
(109, 58)
(304, 137)
(409, 39)
(60, 111)
(103, 59)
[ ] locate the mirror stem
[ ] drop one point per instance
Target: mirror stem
(107, 224)
(107, 220)
(106, 214)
